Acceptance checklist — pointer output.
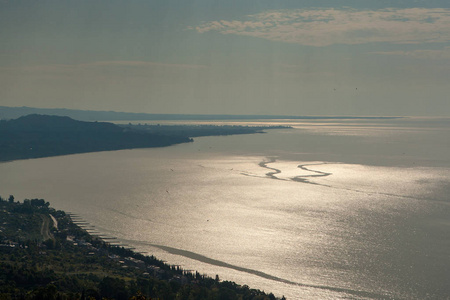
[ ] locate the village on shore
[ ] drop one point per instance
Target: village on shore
(45, 254)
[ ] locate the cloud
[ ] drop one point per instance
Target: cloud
(420, 54)
(324, 27)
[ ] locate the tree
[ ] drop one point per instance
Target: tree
(139, 296)
(11, 199)
(113, 288)
(46, 293)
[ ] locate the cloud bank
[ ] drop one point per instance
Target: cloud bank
(324, 27)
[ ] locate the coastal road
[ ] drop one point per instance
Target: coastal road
(45, 231)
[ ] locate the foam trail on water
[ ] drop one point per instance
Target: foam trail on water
(215, 262)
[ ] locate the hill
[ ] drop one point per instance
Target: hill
(36, 136)
(7, 112)
(50, 123)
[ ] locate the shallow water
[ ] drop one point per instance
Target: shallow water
(348, 210)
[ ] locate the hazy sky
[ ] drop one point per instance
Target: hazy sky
(335, 57)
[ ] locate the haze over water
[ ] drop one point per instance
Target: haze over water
(330, 209)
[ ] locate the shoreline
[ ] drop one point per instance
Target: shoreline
(40, 136)
(64, 245)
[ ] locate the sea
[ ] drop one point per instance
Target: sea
(328, 209)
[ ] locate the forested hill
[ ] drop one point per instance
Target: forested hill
(35, 136)
(36, 122)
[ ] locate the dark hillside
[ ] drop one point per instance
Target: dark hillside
(45, 123)
(36, 136)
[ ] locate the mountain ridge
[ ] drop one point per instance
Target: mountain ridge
(37, 136)
(7, 112)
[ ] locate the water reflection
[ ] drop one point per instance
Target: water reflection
(292, 211)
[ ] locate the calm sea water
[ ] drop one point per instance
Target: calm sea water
(327, 210)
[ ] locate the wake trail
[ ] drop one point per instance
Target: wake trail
(305, 179)
(324, 174)
(272, 174)
(300, 178)
(215, 262)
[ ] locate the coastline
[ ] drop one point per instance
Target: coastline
(66, 250)
(39, 136)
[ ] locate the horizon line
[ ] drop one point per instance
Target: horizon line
(202, 116)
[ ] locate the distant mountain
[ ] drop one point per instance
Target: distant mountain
(7, 112)
(35, 136)
(44, 123)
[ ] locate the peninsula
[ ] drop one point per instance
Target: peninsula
(35, 136)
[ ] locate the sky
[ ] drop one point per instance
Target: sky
(279, 57)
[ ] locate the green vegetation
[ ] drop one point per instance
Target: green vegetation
(44, 259)
(34, 136)
(201, 130)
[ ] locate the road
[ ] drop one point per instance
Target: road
(45, 227)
